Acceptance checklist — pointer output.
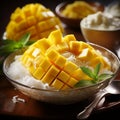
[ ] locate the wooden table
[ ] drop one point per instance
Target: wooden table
(32, 109)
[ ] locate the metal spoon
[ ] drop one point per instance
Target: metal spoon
(113, 88)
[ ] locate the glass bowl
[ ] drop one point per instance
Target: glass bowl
(66, 96)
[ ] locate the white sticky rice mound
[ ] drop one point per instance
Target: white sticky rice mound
(19, 73)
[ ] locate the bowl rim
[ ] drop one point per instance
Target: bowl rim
(54, 90)
(95, 29)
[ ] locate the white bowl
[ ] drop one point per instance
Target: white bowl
(108, 38)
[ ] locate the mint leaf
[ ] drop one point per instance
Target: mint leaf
(24, 40)
(83, 83)
(94, 74)
(104, 76)
(7, 41)
(9, 46)
(97, 69)
(87, 71)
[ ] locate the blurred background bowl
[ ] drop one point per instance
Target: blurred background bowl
(66, 96)
(113, 8)
(107, 38)
(72, 22)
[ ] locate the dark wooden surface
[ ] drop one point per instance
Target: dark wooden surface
(37, 110)
(34, 110)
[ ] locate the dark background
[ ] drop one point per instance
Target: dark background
(8, 6)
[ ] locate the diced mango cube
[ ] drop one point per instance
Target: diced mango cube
(39, 73)
(31, 30)
(55, 37)
(22, 25)
(29, 62)
(63, 46)
(72, 82)
(75, 47)
(27, 12)
(69, 38)
(85, 45)
(31, 69)
(25, 58)
(50, 75)
(70, 67)
(30, 50)
(57, 84)
(46, 32)
(17, 18)
(31, 20)
(77, 74)
(42, 26)
(45, 64)
(85, 54)
(65, 87)
(43, 45)
(63, 76)
(60, 61)
(36, 52)
(38, 60)
(52, 54)
(50, 22)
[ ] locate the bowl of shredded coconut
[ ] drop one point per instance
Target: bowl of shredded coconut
(113, 8)
(102, 29)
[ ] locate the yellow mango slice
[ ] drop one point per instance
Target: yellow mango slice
(57, 84)
(55, 37)
(75, 47)
(72, 82)
(85, 54)
(47, 62)
(63, 76)
(52, 54)
(50, 75)
(43, 45)
(69, 38)
(33, 18)
(39, 73)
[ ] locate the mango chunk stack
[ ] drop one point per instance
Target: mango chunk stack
(33, 18)
(45, 60)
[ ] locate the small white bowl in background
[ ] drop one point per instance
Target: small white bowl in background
(101, 29)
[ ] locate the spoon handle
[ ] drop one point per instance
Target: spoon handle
(88, 110)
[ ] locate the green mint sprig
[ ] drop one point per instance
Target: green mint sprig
(9, 46)
(94, 75)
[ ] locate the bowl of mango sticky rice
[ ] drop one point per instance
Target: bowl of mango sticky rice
(60, 69)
